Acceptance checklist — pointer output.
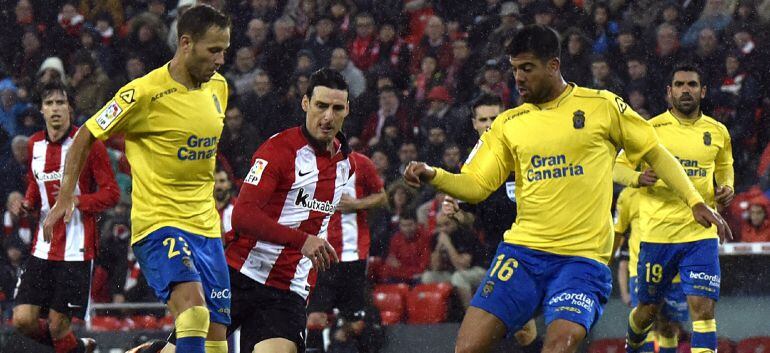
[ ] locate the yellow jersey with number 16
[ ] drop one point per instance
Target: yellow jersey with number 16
(171, 137)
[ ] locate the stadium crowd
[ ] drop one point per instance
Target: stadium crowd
(415, 69)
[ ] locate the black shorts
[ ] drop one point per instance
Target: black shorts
(343, 286)
(264, 312)
(59, 285)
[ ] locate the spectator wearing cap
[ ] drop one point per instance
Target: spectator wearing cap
(602, 76)
(241, 75)
(756, 227)
(10, 107)
(439, 111)
(51, 69)
(91, 9)
(429, 76)
(353, 76)
(462, 71)
(89, 84)
(576, 61)
(715, 15)
(434, 44)
(509, 25)
(323, 41)
(390, 110)
(364, 49)
(394, 51)
(281, 52)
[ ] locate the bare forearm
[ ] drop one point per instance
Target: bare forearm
(623, 277)
(74, 162)
(373, 201)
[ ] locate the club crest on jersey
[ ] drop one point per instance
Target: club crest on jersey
(707, 138)
(255, 173)
(109, 114)
(578, 119)
(488, 288)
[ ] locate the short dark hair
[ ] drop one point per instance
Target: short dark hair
(542, 41)
(327, 78)
(486, 99)
(197, 20)
(50, 88)
(688, 67)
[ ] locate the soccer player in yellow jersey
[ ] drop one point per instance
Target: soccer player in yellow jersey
(674, 311)
(561, 144)
(671, 242)
(172, 119)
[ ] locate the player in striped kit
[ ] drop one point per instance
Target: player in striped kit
(344, 286)
(57, 277)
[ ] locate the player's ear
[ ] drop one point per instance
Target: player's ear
(553, 65)
(185, 42)
(305, 103)
(702, 92)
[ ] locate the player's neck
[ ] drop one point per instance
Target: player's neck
(558, 90)
(56, 134)
(223, 203)
(180, 74)
(695, 115)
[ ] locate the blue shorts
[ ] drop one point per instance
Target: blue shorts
(170, 255)
(696, 262)
(521, 281)
(675, 307)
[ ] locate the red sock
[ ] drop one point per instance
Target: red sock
(66, 344)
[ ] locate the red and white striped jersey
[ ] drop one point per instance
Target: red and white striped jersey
(96, 191)
(226, 215)
(290, 192)
(349, 232)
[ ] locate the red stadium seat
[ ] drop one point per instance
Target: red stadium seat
(166, 323)
(390, 317)
(753, 345)
(105, 324)
(611, 345)
(145, 322)
(391, 298)
(374, 268)
(428, 303)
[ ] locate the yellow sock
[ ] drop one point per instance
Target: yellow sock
(216, 346)
(704, 336)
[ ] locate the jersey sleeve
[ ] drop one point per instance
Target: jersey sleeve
(629, 130)
(119, 114)
(108, 193)
(624, 171)
(249, 218)
(367, 173)
(622, 219)
(32, 194)
(724, 173)
(488, 166)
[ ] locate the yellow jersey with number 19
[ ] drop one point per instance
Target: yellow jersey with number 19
(171, 137)
(703, 148)
(562, 153)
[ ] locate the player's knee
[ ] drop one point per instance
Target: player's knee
(317, 320)
(24, 322)
(193, 322)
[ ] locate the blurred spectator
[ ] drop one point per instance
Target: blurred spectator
(340, 14)
(463, 70)
(756, 228)
(715, 15)
(601, 28)
(24, 21)
(64, 37)
(224, 196)
(751, 54)
(434, 44)
(323, 41)
(147, 39)
(627, 46)
(492, 82)
(261, 107)
(485, 20)
(242, 73)
(15, 224)
(509, 25)
(439, 111)
(390, 109)
(239, 141)
(394, 52)
(89, 84)
(576, 61)
(457, 257)
(52, 69)
(406, 153)
(256, 33)
(642, 81)
(364, 49)
(28, 59)
(304, 14)
(432, 147)
(10, 270)
(452, 158)
(306, 62)
(709, 56)
(746, 15)
(602, 76)
(385, 222)
(355, 78)
(114, 252)
(91, 43)
(567, 14)
(382, 164)
(181, 7)
(10, 107)
(280, 53)
(419, 13)
(91, 9)
(29, 121)
(543, 12)
(134, 68)
(15, 169)
(666, 51)
(409, 251)
(430, 76)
